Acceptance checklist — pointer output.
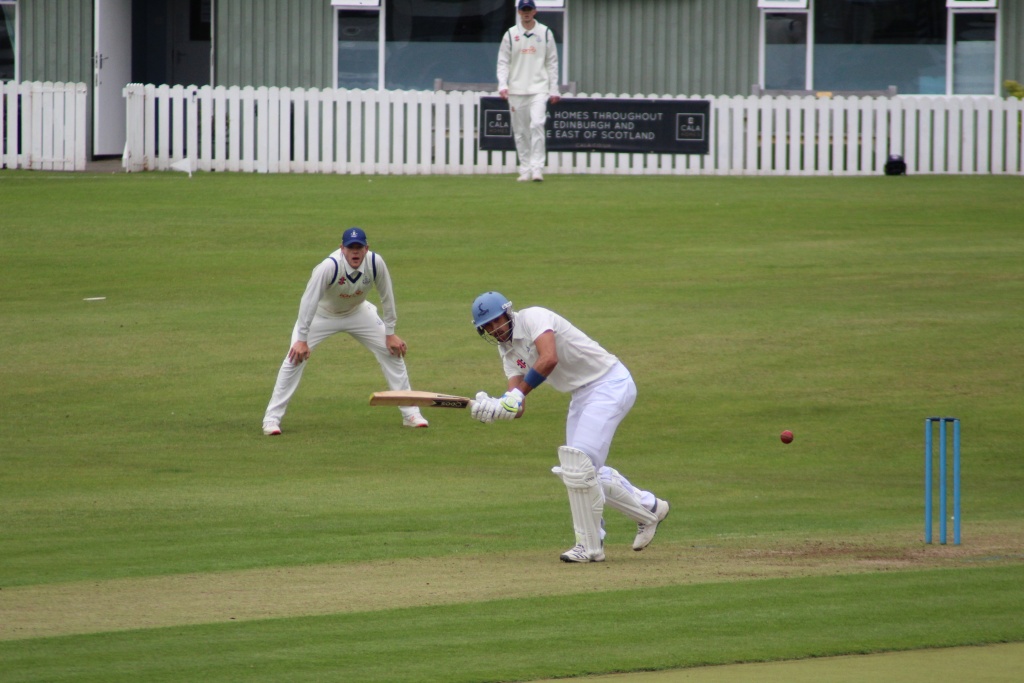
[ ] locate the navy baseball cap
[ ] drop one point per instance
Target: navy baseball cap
(354, 236)
(527, 4)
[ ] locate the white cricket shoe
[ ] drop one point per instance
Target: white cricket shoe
(524, 177)
(578, 553)
(415, 421)
(537, 176)
(645, 532)
(271, 429)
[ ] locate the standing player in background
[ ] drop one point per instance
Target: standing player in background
(528, 79)
(335, 301)
(538, 345)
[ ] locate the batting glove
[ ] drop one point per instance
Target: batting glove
(483, 408)
(511, 403)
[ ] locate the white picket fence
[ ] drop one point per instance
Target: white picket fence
(43, 126)
(281, 130)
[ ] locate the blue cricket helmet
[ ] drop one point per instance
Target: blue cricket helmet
(489, 306)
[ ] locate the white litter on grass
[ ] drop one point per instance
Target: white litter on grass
(185, 166)
(95, 298)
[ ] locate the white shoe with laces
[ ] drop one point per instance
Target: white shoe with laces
(524, 177)
(645, 532)
(271, 429)
(415, 421)
(538, 176)
(578, 554)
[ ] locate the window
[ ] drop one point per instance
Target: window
(358, 49)
(407, 44)
(974, 62)
(357, 44)
(551, 13)
(870, 46)
(8, 41)
(455, 40)
(785, 51)
(927, 47)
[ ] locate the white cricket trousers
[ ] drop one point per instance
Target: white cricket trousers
(595, 411)
(529, 113)
(367, 328)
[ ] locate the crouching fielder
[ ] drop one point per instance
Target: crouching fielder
(536, 346)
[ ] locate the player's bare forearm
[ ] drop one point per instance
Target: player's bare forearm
(547, 359)
(515, 382)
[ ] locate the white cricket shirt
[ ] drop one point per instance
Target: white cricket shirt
(336, 290)
(581, 360)
(528, 61)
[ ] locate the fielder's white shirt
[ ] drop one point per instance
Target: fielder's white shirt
(528, 61)
(335, 290)
(581, 360)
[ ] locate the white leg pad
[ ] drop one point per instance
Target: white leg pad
(622, 498)
(586, 501)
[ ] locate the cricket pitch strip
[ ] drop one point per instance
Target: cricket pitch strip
(190, 599)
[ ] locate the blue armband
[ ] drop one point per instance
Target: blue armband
(534, 378)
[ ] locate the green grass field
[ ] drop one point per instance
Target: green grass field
(149, 532)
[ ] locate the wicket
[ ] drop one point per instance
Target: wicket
(928, 458)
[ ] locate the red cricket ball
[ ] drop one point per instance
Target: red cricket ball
(786, 436)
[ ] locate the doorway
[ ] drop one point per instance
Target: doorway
(171, 41)
(144, 41)
(112, 68)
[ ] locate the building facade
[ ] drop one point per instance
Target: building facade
(630, 47)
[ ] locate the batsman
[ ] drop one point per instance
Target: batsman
(539, 346)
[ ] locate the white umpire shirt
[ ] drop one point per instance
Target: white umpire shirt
(336, 290)
(581, 360)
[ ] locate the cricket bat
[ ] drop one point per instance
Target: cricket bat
(427, 399)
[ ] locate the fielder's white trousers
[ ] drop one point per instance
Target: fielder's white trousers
(529, 113)
(595, 412)
(367, 328)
